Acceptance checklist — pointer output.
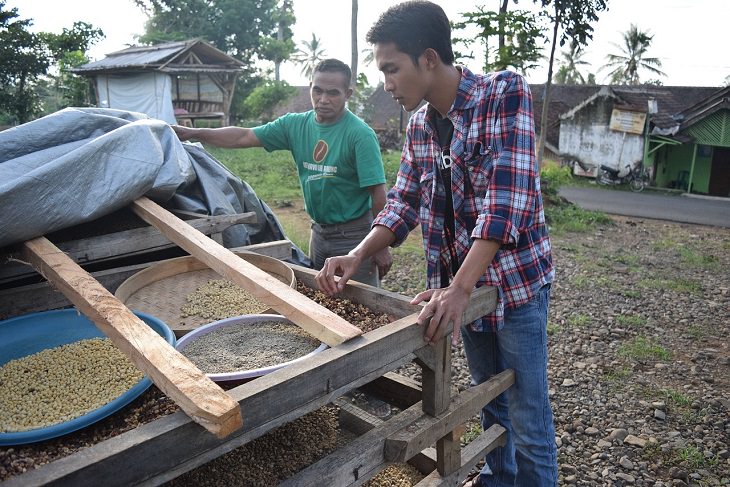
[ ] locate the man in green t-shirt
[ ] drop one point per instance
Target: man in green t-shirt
(338, 160)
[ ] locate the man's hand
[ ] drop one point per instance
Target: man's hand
(445, 306)
(383, 260)
(183, 133)
(344, 266)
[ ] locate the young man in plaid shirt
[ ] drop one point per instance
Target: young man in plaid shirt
(469, 176)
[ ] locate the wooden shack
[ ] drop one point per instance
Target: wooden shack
(176, 81)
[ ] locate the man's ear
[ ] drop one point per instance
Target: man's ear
(431, 57)
(348, 93)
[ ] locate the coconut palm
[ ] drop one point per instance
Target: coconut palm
(568, 73)
(353, 41)
(632, 58)
(308, 57)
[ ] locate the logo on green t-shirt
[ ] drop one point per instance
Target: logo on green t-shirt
(320, 151)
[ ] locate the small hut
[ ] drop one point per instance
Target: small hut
(176, 82)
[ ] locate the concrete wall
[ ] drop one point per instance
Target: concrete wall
(586, 137)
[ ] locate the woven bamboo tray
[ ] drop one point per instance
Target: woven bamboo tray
(162, 289)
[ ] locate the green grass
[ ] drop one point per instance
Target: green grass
(641, 348)
(632, 261)
(578, 320)
(572, 219)
(296, 232)
(688, 255)
(696, 332)
(552, 329)
(472, 433)
(391, 163)
(692, 457)
(696, 258)
(689, 457)
(633, 321)
(631, 293)
(580, 282)
(678, 285)
(677, 398)
(618, 376)
(272, 175)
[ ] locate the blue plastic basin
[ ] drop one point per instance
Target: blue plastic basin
(28, 334)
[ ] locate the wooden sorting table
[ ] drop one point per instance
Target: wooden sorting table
(362, 360)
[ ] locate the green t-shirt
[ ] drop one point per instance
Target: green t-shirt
(336, 162)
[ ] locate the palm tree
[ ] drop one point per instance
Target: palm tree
(568, 73)
(309, 56)
(353, 39)
(632, 58)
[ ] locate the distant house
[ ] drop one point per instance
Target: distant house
(692, 150)
(562, 99)
(614, 127)
(175, 81)
(298, 103)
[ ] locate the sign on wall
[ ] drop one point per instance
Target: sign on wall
(627, 121)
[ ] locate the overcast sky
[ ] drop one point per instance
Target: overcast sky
(690, 36)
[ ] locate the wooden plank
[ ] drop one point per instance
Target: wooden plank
(126, 243)
(354, 419)
(425, 462)
(405, 443)
(269, 402)
(359, 422)
(278, 249)
(494, 437)
(42, 297)
(436, 376)
(436, 383)
(357, 461)
(367, 455)
(315, 319)
(203, 400)
(448, 452)
(369, 296)
(399, 390)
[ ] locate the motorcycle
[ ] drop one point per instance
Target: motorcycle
(635, 177)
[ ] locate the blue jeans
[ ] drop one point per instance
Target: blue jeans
(529, 459)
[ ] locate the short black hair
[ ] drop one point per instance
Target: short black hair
(413, 27)
(332, 65)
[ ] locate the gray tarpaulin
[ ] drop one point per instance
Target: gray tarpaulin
(79, 164)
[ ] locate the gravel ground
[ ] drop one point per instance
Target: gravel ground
(639, 364)
(639, 354)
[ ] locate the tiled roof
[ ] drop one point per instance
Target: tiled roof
(671, 101)
(299, 103)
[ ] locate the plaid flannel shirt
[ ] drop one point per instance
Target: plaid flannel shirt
(495, 186)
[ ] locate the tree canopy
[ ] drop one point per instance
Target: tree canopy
(25, 58)
(633, 57)
(309, 56)
(245, 29)
(510, 38)
(568, 72)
